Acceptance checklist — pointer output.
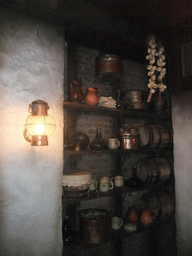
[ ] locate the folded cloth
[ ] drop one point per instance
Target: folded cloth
(108, 102)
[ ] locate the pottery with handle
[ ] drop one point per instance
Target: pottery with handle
(147, 217)
(91, 96)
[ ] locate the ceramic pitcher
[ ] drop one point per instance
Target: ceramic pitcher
(147, 217)
(91, 96)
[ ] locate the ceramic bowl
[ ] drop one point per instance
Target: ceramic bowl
(130, 227)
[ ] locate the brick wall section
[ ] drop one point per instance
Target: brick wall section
(100, 164)
(134, 77)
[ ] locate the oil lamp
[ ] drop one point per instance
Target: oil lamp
(39, 125)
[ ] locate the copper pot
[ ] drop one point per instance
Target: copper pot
(94, 225)
(108, 67)
(135, 99)
(129, 140)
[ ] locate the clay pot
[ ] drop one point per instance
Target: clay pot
(147, 217)
(91, 96)
(108, 67)
(132, 214)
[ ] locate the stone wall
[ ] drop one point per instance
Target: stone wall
(31, 68)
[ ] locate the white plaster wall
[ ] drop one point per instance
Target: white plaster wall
(31, 68)
(182, 134)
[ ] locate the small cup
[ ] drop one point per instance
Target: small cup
(113, 143)
(105, 184)
(93, 184)
(118, 181)
(116, 223)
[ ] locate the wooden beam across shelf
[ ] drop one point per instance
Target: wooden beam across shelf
(113, 192)
(115, 151)
(99, 110)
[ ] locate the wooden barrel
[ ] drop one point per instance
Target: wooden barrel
(154, 135)
(165, 135)
(162, 167)
(167, 200)
(144, 171)
(154, 170)
(145, 136)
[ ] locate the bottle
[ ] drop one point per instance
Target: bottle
(134, 181)
(98, 143)
(68, 234)
(119, 103)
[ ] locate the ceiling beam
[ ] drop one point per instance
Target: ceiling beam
(177, 15)
(80, 13)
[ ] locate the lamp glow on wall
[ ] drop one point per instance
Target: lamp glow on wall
(39, 125)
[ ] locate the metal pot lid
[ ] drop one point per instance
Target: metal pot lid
(130, 132)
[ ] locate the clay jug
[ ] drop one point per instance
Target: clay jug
(147, 217)
(132, 214)
(75, 91)
(91, 96)
(158, 103)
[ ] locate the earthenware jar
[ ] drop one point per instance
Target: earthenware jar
(91, 96)
(132, 214)
(158, 103)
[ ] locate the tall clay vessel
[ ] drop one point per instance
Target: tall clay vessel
(75, 92)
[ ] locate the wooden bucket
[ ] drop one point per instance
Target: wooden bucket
(154, 135)
(155, 170)
(167, 200)
(165, 135)
(145, 136)
(94, 225)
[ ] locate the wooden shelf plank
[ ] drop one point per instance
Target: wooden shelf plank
(123, 151)
(98, 110)
(113, 192)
